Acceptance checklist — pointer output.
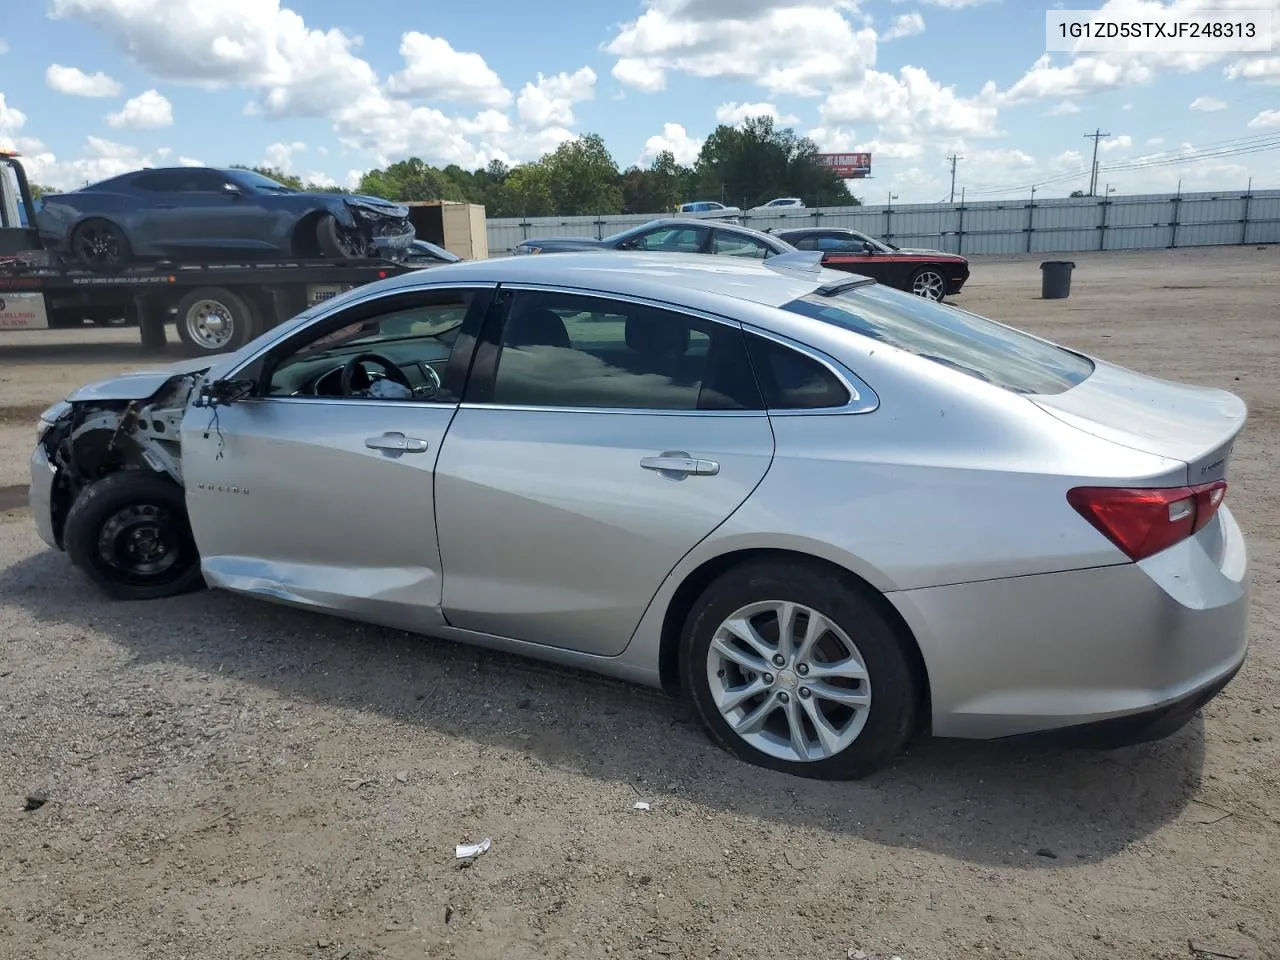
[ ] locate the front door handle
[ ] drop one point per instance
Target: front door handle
(681, 463)
(396, 443)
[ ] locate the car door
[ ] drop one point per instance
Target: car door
(322, 497)
(600, 439)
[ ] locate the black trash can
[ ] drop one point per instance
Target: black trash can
(1055, 279)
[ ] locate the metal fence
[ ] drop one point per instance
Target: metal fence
(1071, 225)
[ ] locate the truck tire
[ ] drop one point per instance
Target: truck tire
(129, 534)
(214, 320)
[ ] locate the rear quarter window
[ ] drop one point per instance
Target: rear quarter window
(974, 345)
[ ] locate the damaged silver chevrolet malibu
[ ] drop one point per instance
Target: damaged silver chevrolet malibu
(830, 514)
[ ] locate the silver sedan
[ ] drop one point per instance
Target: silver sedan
(831, 515)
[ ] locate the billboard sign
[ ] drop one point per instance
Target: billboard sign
(847, 166)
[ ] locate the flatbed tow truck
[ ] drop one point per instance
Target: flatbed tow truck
(216, 306)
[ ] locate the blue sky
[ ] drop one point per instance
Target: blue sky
(90, 88)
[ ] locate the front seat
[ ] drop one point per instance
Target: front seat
(536, 327)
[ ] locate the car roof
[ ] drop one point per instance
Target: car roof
(683, 221)
(817, 230)
(700, 279)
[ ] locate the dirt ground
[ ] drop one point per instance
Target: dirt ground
(229, 779)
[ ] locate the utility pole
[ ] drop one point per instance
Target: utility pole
(1093, 169)
(953, 158)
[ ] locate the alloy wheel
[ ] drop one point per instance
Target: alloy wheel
(788, 681)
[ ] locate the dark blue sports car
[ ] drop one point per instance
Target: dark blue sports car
(186, 213)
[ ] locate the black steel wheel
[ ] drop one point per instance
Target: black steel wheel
(129, 533)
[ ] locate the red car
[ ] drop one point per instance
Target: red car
(931, 274)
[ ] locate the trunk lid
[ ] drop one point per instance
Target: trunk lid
(1197, 425)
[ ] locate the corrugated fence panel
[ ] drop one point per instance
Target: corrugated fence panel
(1064, 225)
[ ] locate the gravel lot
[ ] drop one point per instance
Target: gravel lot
(227, 778)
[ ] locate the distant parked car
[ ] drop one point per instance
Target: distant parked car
(710, 210)
(671, 235)
(931, 274)
(423, 253)
(780, 205)
(184, 213)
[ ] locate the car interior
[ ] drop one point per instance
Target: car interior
(409, 348)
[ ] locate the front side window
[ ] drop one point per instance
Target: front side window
(731, 244)
(566, 350)
(974, 345)
(398, 353)
(841, 245)
(669, 240)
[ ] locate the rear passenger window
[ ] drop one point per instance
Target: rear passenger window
(791, 381)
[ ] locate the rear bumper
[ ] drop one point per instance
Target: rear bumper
(40, 496)
(1130, 649)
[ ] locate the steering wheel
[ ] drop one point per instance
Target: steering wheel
(390, 370)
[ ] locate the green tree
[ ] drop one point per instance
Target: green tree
(529, 191)
(755, 162)
(408, 180)
(582, 177)
(38, 190)
(657, 189)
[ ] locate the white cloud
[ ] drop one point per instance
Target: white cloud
(146, 111)
(1259, 69)
(1266, 119)
(642, 75)
(296, 70)
(1155, 141)
(321, 179)
(76, 83)
(906, 25)
(1123, 142)
(910, 105)
(1208, 104)
(280, 155)
(102, 159)
(4, 46)
(1063, 109)
(735, 113)
(953, 4)
(190, 162)
(675, 139)
(436, 71)
(795, 47)
(549, 101)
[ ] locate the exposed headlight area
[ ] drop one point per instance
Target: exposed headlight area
(50, 417)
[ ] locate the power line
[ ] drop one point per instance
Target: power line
(1096, 136)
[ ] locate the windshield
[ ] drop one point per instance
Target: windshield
(955, 338)
(256, 181)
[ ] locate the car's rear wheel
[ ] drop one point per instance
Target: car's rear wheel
(339, 242)
(100, 245)
(213, 320)
(129, 533)
(789, 667)
(929, 283)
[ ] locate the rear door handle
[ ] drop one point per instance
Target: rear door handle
(681, 464)
(396, 443)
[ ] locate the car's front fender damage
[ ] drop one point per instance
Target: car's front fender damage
(87, 440)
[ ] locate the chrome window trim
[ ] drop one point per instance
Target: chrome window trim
(862, 398)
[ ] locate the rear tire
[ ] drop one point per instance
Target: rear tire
(213, 320)
(866, 720)
(337, 242)
(101, 246)
(129, 533)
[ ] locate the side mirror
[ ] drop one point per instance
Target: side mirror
(231, 190)
(222, 392)
(868, 247)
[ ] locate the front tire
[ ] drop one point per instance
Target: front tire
(929, 283)
(833, 697)
(129, 533)
(338, 242)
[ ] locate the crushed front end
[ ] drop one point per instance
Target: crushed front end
(385, 227)
(81, 441)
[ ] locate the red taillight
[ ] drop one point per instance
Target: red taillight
(1142, 522)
